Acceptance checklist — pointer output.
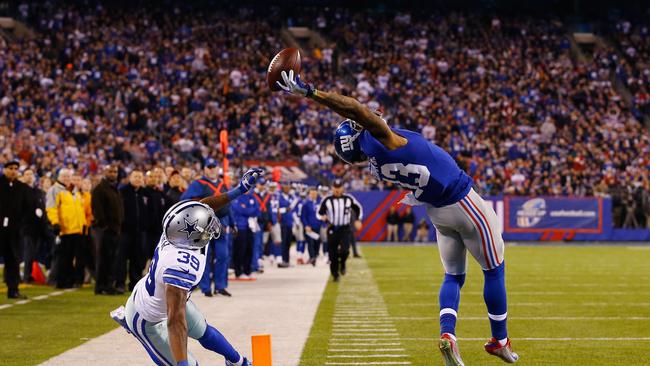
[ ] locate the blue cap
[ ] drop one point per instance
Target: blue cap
(261, 180)
(210, 162)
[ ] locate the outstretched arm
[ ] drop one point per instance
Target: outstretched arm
(247, 182)
(346, 107)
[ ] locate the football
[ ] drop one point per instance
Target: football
(285, 60)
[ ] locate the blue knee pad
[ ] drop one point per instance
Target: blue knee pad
(494, 294)
(213, 340)
(449, 300)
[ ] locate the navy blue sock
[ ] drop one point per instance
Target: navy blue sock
(300, 246)
(215, 341)
(449, 300)
(494, 294)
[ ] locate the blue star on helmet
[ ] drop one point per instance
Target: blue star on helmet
(190, 228)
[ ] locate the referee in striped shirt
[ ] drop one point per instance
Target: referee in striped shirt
(336, 209)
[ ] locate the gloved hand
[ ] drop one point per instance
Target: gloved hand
(295, 85)
(249, 178)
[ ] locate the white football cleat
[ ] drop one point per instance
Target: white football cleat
(119, 315)
(449, 349)
(505, 353)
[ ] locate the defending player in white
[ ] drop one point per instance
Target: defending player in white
(464, 222)
(159, 312)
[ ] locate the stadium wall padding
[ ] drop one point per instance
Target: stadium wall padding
(522, 218)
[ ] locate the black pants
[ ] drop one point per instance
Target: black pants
(10, 250)
(65, 275)
(313, 246)
(338, 241)
(83, 258)
(286, 242)
(130, 252)
(243, 252)
(353, 243)
(30, 246)
(106, 243)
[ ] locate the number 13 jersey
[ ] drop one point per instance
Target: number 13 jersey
(182, 268)
(420, 166)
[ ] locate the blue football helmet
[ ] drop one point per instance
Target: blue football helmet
(346, 142)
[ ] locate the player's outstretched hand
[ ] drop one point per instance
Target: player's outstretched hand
(293, 85)
(249, 178)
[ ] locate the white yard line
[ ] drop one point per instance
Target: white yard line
(41, 297)
(370, 363)
(361, 326)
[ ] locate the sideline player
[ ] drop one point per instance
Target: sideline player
(158, 312)
(464, 222)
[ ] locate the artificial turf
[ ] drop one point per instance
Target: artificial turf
(568, 305)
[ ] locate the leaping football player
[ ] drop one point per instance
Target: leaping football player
(463, 221)
(159, 312)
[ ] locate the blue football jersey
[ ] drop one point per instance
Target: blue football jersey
(420, 166)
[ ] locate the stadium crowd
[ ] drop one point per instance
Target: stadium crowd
(154, 86)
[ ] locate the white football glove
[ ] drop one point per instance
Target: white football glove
(295, 85)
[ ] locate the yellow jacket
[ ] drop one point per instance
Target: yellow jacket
(88, 211)
(66, 209)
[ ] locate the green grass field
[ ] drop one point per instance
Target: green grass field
(41, 328)
(577, 305)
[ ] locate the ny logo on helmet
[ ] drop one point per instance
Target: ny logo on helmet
(346, 143)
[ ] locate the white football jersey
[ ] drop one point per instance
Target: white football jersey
(172, 266)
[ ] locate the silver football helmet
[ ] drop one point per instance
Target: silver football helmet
(190, 225)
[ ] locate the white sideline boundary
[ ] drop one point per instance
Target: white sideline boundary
(282, 302)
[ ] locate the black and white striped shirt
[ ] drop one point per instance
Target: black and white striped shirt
(338, 210)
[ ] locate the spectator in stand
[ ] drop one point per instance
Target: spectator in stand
(134, 233)
(407, 219)
(392, 222)
(14, 196)
(35, 230)
(108, 216)
(65, 211)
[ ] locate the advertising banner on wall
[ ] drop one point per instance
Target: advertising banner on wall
(539, 214)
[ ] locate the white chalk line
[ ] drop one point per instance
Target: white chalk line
(370, 363)
(369, 356)
(37, 298)
(366, 350)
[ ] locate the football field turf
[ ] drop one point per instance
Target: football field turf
(568, 305)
